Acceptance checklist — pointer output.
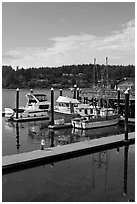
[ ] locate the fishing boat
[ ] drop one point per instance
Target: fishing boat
(36, 108)
(65, 108)
(101, 116)
(105, 117)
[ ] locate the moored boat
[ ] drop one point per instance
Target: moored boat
(37, 107)
(66, 108)
(96, 121)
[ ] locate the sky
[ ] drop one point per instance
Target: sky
(52, 34)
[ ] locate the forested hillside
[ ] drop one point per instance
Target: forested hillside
(64, 76)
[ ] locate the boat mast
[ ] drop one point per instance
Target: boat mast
(107, 71)
(107, 81)
(94, 79)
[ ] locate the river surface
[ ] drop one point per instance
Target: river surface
(107, 176)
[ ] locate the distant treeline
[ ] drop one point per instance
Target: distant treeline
(65, 76)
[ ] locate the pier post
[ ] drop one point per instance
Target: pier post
(126, 113)
(78, 94)
(75, 91)
(60, 92)
(31, 91)
(52, 106)
(71, 108)
(17, 102)
(80, 98)
(118, 100)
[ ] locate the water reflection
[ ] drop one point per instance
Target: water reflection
(52, 139)
(100, 160)
(17, 137)
(125, 169)
(30, 134)
(98, 132)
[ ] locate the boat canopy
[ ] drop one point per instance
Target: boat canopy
(83, 106)
(65, 99)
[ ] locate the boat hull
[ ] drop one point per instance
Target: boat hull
(66, 116)
(26, 115)
(101, 122)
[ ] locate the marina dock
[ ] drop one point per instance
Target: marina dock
(53, 154)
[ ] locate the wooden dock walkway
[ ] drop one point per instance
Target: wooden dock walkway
(48, 155)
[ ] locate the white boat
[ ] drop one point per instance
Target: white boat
(66, 108)
(105, 117)
(37, 107)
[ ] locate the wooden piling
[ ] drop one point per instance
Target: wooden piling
(71, 108)
(126, 113)
(118, 100)
(75, 91)
(60, 92)
(78, 94)
(52, 106)
(17, 102)
(31, 91)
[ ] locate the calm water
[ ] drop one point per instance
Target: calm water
(107, 176)
(23, 137)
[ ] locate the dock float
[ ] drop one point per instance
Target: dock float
(58, 153)
(30, 119)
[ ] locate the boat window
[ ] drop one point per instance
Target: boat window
(44, 106)
(32, 101)
(67, 105)
(41, 97)
(86, 112)
(91, 111)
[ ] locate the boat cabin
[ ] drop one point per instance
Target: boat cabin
(106, 111)
(64, 103)
(86, 109)
(37, 100)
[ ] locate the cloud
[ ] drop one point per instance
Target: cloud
(77, 49)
